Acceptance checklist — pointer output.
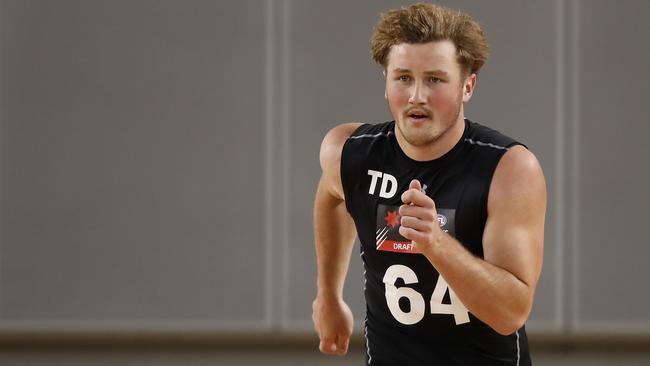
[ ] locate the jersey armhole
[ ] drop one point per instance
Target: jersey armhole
(516, 143)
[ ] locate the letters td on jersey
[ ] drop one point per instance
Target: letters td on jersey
(388, 238)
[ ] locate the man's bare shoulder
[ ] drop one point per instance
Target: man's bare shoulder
(520, 163)
(330, 159)
(332, 145)
(519, 178)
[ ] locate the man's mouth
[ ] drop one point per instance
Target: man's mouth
(417, 115)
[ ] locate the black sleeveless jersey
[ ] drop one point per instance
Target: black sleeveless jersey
(412, 316)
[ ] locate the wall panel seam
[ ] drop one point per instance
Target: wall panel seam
(575, 163)
(269, 165)
(285, 139)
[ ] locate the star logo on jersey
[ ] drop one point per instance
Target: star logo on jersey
(392, 218)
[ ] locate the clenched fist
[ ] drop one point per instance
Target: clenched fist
(333, 322)
(419, 221)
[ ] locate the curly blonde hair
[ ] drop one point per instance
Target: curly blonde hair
(423, 23)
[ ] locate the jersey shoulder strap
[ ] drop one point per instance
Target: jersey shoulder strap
(485, 136)
(365, 142)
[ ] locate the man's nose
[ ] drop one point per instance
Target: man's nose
(417, 94)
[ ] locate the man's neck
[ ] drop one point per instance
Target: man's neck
(437, 148)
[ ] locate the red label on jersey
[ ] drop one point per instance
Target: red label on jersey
(397, 246)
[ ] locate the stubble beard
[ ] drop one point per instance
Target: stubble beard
(430, 133)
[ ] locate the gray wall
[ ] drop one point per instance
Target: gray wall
(158, 159)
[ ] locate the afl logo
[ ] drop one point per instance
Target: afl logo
(442, 220)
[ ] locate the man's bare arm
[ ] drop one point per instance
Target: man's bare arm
(334, 235)
(498, 289)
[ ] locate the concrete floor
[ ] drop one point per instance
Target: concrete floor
(26, 356)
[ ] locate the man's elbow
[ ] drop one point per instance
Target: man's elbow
(511, 321)
(509, 326)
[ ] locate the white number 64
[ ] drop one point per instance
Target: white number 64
(416, 300)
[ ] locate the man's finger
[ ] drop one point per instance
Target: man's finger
(413, 186)
(416, 197)
(412, 234)
(421, 213)
(342, 344)
(327, 345)
(415, 223)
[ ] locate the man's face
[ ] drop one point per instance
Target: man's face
(425, 89)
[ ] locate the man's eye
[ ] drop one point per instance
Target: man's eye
(435, 80)
(404, 78)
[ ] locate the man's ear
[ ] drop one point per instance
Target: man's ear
(468, 87)
(385, 92)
